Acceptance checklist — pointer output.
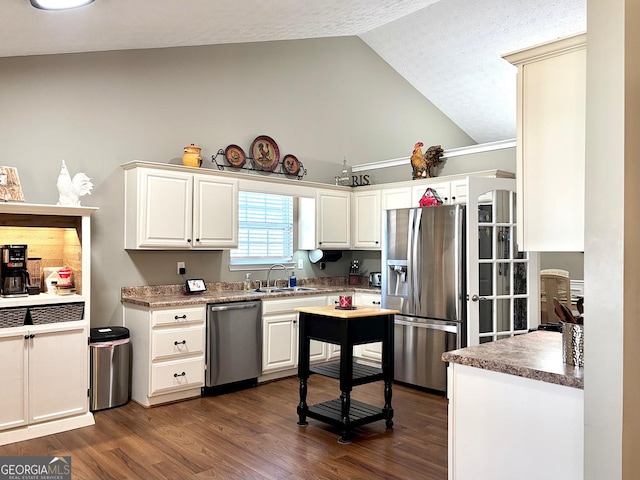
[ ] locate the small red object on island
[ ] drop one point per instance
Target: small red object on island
(345, 301)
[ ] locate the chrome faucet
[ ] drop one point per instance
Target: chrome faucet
(271, 268)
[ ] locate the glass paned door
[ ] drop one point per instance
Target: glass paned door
(500, 288)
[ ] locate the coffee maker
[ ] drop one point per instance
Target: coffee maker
(14, 277)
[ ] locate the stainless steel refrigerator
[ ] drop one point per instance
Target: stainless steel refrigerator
(424, 277)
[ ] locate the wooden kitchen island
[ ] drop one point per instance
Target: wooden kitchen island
(346, 328)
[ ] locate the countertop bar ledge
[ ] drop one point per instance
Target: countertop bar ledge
(536, 355)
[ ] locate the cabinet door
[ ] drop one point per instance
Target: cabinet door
(165, 204)
(366, 220)
(215, 206)
(58, 373)
(333, 219)
(280, 347)
(550, 150)
(391, 198)
(369, 351)
(333, 350)
(13, 371)
(443, 189)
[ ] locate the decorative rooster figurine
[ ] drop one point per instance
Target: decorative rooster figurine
(417, 161)
(422, 163)
(69, 190)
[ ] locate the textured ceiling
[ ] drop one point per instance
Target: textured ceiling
(449, 50)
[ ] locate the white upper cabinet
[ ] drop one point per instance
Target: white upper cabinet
(366, 220)
(325, 221)
(443, 189)
(173, 209)
(551, 144)
(215, 212)
(334, 219)
(398, 197)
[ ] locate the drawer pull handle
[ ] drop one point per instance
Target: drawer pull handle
(184, 317)
(176, 375)
(376, 303)
(183, 342)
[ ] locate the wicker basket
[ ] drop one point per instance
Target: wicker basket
(12, 317)
(63, 312)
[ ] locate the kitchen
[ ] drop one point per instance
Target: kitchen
(92, 136)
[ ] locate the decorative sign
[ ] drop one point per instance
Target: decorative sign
(10, 189)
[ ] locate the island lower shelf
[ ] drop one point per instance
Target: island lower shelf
(359, 413)
(361, 374)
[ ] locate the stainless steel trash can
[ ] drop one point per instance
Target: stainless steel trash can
(110, 382)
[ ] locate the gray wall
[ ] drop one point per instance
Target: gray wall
(321, 99)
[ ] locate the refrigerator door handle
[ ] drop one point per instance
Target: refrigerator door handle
(432, 326)
(413, 256)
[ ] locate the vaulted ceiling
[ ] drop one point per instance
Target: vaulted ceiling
(449, 50)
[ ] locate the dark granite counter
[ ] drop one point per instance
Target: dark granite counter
(536, 355)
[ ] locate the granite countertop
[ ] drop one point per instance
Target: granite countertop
(536, 355)
(173, 296)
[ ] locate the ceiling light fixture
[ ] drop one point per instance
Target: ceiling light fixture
(59, 4)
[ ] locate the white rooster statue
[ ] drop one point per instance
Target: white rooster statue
(70, 190)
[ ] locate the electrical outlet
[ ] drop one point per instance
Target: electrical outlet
(182, 269)
(299, 263)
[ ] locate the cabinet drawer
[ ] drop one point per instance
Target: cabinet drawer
(287, 305)
(176, 342)
(177, 375)
(175, 316)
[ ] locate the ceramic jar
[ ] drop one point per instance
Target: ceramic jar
(192, 157)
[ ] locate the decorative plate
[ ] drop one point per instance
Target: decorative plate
(235, 156)
(291, 164)
(265, 153)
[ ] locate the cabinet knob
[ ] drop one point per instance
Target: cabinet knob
(183, 342)
(26, 337)
(197, 240)
(183, 317)
(176, 375)
(188, 240)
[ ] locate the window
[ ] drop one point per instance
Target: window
(265, 229)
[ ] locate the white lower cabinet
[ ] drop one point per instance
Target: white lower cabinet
(280, 335)
(168, 347)
(371, 352)
(45, 376)
(333, 350)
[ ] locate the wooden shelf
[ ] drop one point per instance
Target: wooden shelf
(361, 373)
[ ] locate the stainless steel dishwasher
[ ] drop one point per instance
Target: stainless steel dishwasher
(234, 346)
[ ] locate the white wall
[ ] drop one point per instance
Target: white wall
(320, 99)
(612, 235)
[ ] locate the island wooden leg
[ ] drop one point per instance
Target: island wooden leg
(303, 369)
(387, 366)
(387, 405)
(345, 400)
(302, 406)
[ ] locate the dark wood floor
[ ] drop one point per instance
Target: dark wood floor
(252, 434)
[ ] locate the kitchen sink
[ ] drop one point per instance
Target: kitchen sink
(285, 289)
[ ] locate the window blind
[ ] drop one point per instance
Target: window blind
(265, 229)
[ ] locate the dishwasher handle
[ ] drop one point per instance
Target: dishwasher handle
(432, 326)
(234, 306)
